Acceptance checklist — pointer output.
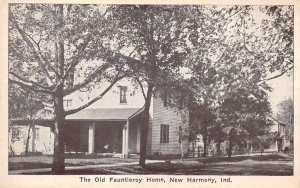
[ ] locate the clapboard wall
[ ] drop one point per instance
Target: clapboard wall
(168, 116)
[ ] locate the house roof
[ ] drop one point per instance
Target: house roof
(276, 120)
(104, 114)
(41, 116)
(96, 114)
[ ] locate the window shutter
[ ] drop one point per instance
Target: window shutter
(161, 133)
(164, 133)
(123, 90)
(167, 135)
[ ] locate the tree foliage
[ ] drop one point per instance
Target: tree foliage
(229, 51)
(56, 50)
(234, 51)
(22, 104)
(154, 39)
(285, 111)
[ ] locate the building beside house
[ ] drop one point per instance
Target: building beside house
(40, 141)
(282, 141)
(279, 134)
(111, 125)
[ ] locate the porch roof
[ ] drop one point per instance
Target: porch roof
(103, 114)
(96, 114)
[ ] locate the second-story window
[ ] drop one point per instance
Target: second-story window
(123, 91)
(68, 103)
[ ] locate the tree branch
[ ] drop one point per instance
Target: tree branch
(75, 60)
(142, 88)
(276, 76)
(48, 105)
(30, 82)
(19, 53)
(256, 56)
(29, 43)
(130, 54)
(237, 12)
(41, 55)
(68, 112)
(87, 80)
(30, 87)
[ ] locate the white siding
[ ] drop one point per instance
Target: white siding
(44, 144)
(171, 117)
(111, 99)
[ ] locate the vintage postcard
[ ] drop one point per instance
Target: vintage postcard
(167, 94)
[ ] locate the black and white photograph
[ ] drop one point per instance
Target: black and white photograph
(198, 90)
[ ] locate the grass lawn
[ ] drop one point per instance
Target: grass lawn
(32, 162)
(255, 165)
(275, 165)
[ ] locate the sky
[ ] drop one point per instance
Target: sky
(282, 89)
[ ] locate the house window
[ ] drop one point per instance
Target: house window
(15, 135)
(123, 91)
(68, 103)
(164, 133)
(36, 133)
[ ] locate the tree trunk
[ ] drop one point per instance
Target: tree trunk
(12, 151)
(181, 148)
(58, 164)
(144, 127)
(218, 146)
(231, 135)
(205, 141)
(230, 148)
(27, 139)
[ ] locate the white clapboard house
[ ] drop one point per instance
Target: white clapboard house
(111, 125)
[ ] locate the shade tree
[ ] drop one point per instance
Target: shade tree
(58, 49)
(154, 39)
(236, 48)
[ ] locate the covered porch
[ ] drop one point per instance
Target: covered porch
(104, 131)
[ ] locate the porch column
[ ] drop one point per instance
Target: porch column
(125, 139)
(33, 138)
(91, 148)
(138, 138)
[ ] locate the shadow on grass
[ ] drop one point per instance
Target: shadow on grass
(31, 165)
(242, 169)
(37, 162)
(242, 158)
(270, 165)
(26, 165)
